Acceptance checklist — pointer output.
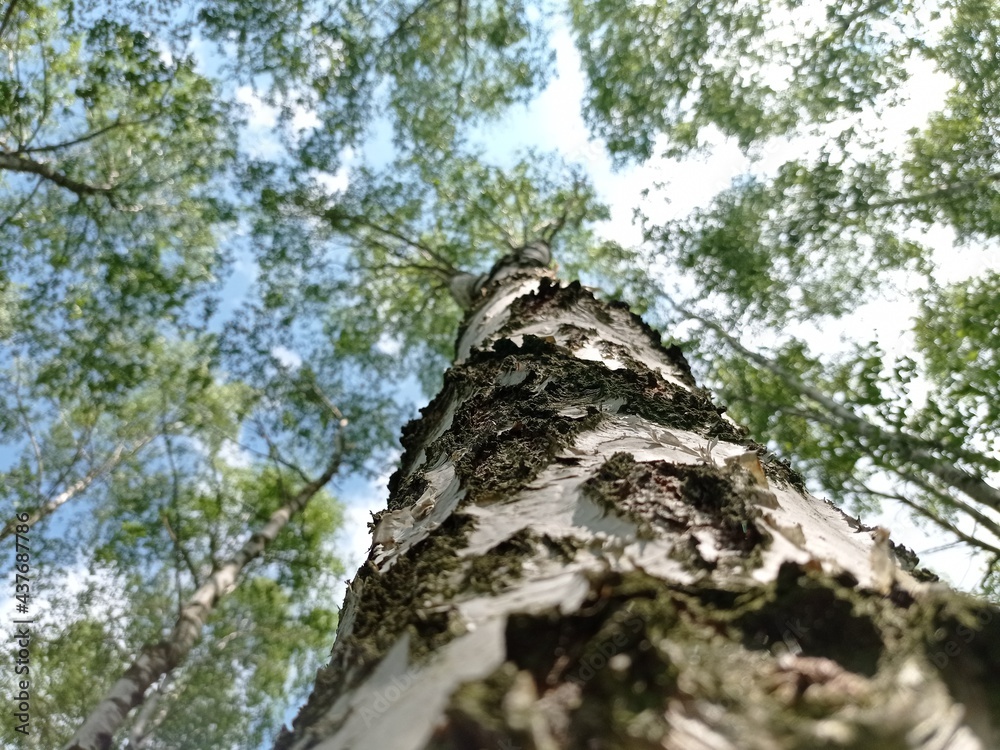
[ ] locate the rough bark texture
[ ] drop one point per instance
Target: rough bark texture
(580, 550)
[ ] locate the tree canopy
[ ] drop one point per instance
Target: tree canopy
(191, 319)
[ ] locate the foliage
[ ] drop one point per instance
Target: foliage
(390, 243)
(814, 239)
(432, 66)
(668, 70)
(110, 153)
(169, 411)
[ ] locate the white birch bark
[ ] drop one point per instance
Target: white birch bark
(53, 503)
(635, 578)
(155, 661)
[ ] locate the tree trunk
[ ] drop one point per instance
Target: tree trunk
(156, 660)
(52, 504)
(580, 550)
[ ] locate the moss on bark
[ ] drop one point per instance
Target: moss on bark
(782, 662)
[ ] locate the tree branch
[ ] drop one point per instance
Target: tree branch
(53, 503)
(17, 163)
(181, 551)
(927, 195)
(8, 14)
(428, 252)
(977, 515)
(909, 448)
(934, 518)
(83, 138)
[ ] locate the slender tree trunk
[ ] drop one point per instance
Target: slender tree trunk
(580, 551)
(55, 502)
(155, 661)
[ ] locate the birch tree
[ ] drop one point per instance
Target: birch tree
(157, 660)
(580, 549)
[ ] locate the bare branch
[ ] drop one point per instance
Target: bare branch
(27, 199)
(52, 504)
(275, 455)
(181, 551)
(910, 448)
(83, 138)
(8, 15)
(428, 252)
(934, 518)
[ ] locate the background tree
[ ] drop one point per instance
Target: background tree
(783, 252)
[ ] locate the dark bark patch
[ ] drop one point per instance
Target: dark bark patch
(393, 602)
(397, 600)
(417, 432)
(492, 571)
(576, 336)
(475, 717)
(777, 469)
(963, 643)
(678, 497)
(605, 676)
(596, 677)
(643, 392)
(513, 449)
(811, 615)
(563, 549)
(909, 562)
(551, 294)
(614, 488)
(408, 490)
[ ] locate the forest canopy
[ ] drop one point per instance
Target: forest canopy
(229, 232)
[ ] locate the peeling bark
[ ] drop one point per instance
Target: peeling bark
(155, 661)
(580, 550)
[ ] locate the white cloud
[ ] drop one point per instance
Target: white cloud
(389, 345)
(233, 455)
(333, 183)
(304, 119)
(258, 137)
(287, 357)
(262, 115)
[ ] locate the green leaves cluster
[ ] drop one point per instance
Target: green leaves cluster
(111, 154)
(387, 247)
(671, 70)
(431, 66)
(814, 239)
